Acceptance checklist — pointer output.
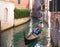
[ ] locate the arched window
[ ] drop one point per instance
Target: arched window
(57, 31)
(57, 24)
(6, 14)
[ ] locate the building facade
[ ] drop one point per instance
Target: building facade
(55, 28)
(7, 12)
(55, 22)
(24, 4)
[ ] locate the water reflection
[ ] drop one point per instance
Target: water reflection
(8, 35)
(7, 38)
(14, 37)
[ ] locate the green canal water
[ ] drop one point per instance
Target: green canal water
(14, 37)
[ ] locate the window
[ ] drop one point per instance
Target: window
(55, 5)
(51, 6)
(43, 7)
(58, 5)
(6, 15)
(57, 24)
(18, 1)
(56, 31)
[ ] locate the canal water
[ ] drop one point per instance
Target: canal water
(14, 37)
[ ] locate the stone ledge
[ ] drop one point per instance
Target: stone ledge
(21, 21)
(6, 26)
(17, 22)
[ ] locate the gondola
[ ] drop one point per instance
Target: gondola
(32, 37)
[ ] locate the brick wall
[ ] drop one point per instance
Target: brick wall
(54, 31)
(23, 4)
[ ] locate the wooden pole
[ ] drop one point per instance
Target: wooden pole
(0, 34)
(30, 18)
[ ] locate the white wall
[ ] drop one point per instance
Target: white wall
(10, 7)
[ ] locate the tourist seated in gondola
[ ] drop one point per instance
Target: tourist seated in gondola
(37, 30)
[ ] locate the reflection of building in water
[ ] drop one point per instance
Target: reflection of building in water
(7, 38)
(38, 7)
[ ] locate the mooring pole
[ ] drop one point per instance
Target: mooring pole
(0, 34)
(30, 18)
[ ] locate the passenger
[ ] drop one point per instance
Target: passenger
(36, 30)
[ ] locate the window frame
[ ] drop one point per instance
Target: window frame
(18, 1)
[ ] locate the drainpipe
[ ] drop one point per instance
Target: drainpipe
(0, 34)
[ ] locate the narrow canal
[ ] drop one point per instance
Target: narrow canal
(14, 37)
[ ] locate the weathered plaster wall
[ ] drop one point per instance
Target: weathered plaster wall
(10, 15)
(54, 32)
